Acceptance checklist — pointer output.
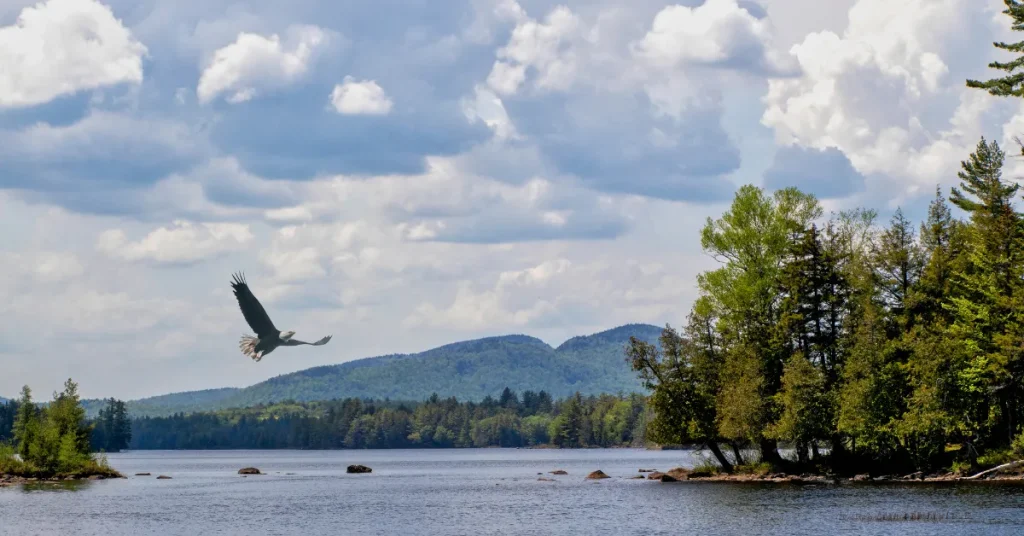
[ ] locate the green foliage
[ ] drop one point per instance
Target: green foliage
(898, 350)
(513, 420)
(1013, 83)
(51, 440)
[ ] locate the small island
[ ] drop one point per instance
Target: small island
(52, 442)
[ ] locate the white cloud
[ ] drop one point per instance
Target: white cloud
(487, 107)
(254, 64)
(718, 32)
(183, 242)
(364, 97)
(882, 91)
(541, 47)
(61, 47)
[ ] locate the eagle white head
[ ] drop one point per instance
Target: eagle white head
(285, 335)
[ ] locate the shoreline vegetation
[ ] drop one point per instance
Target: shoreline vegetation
(899, 350)
(51, 442)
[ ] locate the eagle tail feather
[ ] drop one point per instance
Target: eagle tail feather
(248, 347)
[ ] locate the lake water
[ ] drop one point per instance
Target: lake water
(478, 492)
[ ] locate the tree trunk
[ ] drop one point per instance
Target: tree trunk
(736, 452)
(770, 452)
(722, 460)
(801, 452)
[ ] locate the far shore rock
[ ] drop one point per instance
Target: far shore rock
(358, 469)
(163, 477)
(249, 471)
(647, 471)
(597, 475)
(143, 474)
(559, 472)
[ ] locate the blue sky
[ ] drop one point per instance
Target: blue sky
(404, 174)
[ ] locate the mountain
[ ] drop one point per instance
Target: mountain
(469, 370)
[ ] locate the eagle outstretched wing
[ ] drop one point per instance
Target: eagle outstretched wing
(253, 312)
(321, 342)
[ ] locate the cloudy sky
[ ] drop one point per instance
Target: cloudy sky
(407, 173)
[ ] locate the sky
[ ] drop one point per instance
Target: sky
(402, 174)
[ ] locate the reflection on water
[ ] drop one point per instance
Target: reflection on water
(485, 491)
(73, 485)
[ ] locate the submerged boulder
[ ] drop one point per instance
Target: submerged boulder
(249, 471)
(358, 469)
(597, 475)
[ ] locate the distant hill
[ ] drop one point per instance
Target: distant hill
(468, 370)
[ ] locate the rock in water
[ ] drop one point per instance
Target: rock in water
(655, 476)
(597, 475)
(668, 478)
(559, 472)
(678, 473)
(142, 474)
(163, 477)
(249, 471)
(359, 469)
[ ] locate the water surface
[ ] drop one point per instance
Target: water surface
(479, 491)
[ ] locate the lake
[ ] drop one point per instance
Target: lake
(476, 492)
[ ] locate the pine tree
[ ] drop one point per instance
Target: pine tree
(899, 261)
(1013, 83)
(986, 301)
(26, 427)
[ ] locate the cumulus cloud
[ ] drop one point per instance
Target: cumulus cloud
(578, 87)
(182, 242)
(364, 97)
(884, 93)
(254, 64)
(716, 33)
(61, 47)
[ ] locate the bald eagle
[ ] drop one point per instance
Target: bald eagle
(267, 336)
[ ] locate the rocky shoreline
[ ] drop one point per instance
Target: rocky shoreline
(12, 480)
(679, 474)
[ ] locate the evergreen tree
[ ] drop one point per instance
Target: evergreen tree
(26, 427)
(1013, 83)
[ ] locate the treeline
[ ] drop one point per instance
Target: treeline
(48, 440)
(110, 432)
(896, 347)
(511, 420)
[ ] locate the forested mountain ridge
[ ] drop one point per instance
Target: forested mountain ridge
(469, 370)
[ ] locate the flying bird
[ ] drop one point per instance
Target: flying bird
(267, 336)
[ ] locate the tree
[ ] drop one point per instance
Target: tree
(683, 378)
(986, 301)
(752, 241)
(26, 427)
(1013, 83)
